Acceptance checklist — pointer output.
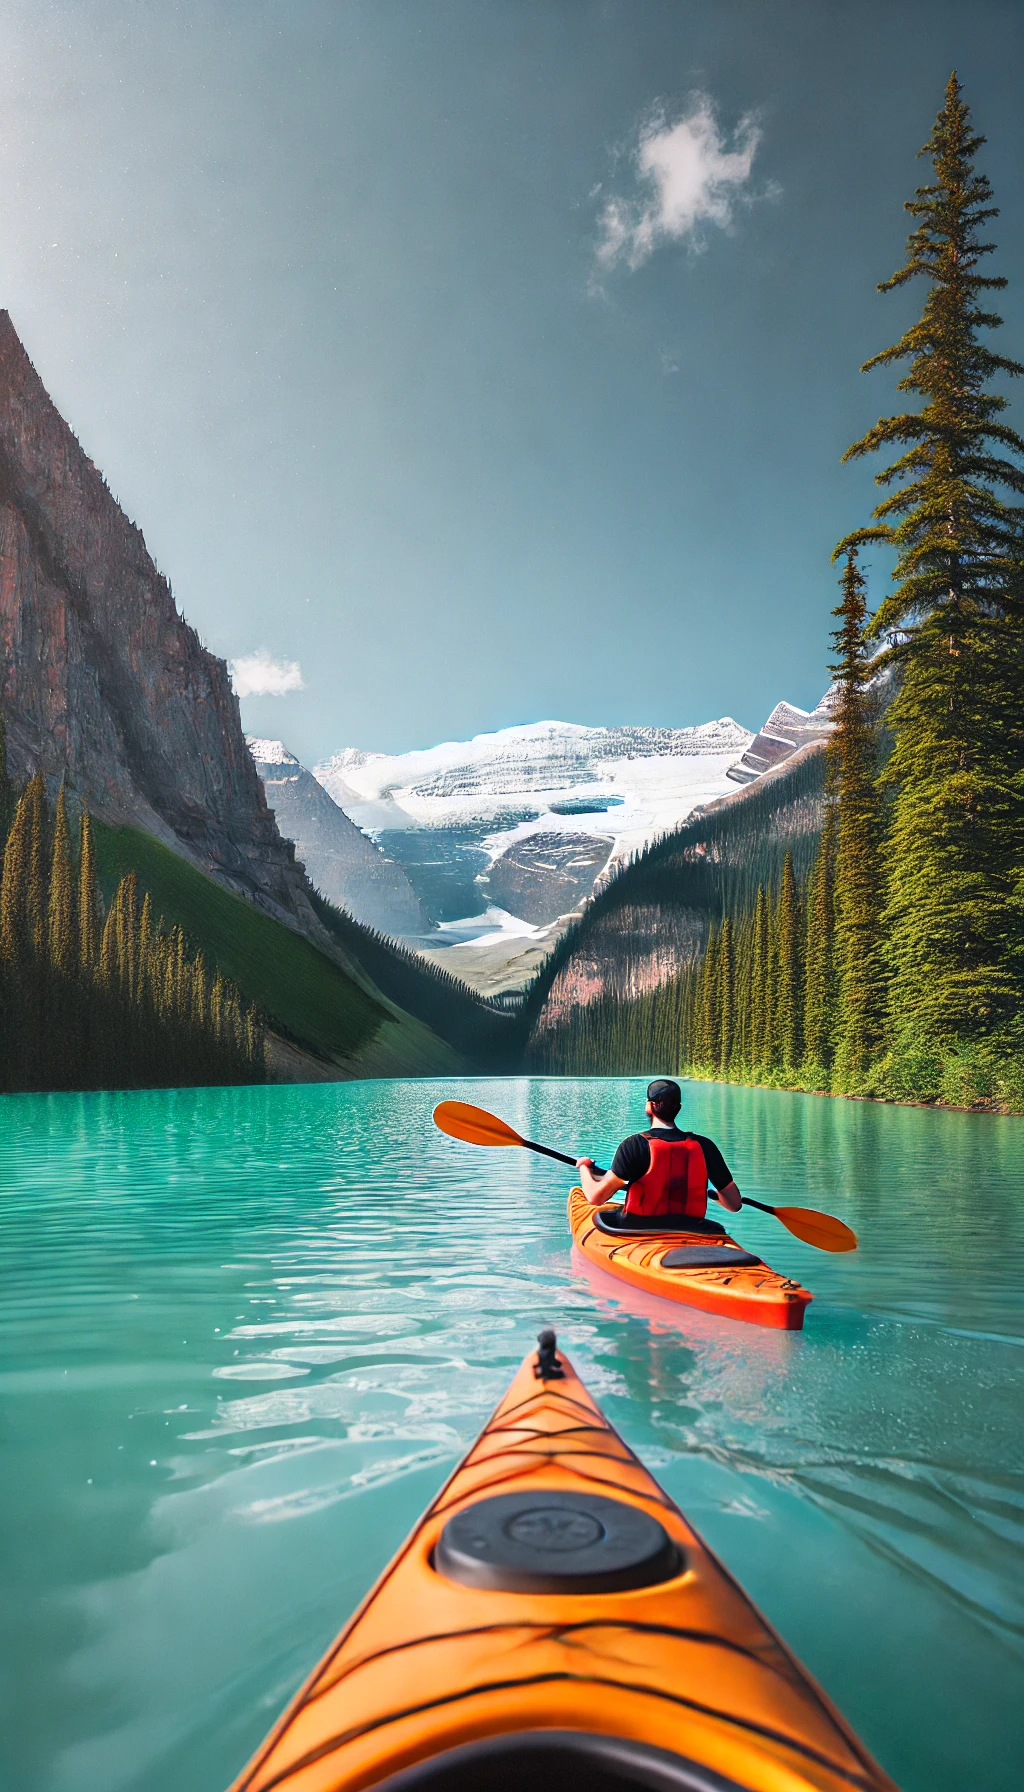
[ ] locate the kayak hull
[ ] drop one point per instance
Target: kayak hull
(436, 1683)
(754, 1293)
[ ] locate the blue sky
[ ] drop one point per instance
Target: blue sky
(486, 360)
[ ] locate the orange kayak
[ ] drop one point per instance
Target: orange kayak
(555, 1624)
(712, 1272)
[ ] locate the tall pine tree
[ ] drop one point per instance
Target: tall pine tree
(955, 624)
(760, 1020)
(789, 985)
(820, 1014)
(852, 755)
(88, 900)
(61, 906)
(725, 998)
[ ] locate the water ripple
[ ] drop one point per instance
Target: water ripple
(247, 1332)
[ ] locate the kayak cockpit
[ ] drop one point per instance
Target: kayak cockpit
(615, 1219)
(557, 1761)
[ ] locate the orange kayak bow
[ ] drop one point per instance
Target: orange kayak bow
(553, 1624)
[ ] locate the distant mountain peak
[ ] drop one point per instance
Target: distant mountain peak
(269, 752)
(783, 734)
(344, 864)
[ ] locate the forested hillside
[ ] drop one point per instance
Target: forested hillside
(653, 920)
(610, 999)
(96, 995)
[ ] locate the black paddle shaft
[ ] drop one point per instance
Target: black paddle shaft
(559, 1156)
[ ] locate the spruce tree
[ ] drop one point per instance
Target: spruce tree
(199, 1013)
(954, 623)
(36, 881)
(146, 942)
(126, 935)
(725, 998)
(820, 1014)
(61, 903)
(710, 1029)
(14, 931)
(181, 989)
(88, 900)
(109, 963)
(789, 987)
(852, 775)
(742, 984)
(772, 1054)
(255, 1066)
(759, 985)
(169, 1004)
(60, 1020)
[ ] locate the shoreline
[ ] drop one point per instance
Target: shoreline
(892, 1101)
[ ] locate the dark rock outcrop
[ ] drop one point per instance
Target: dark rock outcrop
(102, 679)
(545, 875)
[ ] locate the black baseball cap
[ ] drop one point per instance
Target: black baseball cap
(663, 1086)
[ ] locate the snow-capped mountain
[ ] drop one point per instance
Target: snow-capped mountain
(785, 732)
(340, 860)
(528, 819)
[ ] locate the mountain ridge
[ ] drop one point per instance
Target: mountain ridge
(103, 681)
(345, 865)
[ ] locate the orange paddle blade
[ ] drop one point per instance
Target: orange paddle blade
(822, 1230)
(475, 1125)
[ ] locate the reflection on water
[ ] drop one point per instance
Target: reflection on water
(247, 1332)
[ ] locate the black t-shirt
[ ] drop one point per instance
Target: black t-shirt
(633, 1157)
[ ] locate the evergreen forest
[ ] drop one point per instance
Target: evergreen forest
(889, 960)
(94, 999)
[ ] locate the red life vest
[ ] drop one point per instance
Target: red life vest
(677, 1181)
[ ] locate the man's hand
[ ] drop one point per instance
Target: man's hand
(597, 1188)
(730, 1197)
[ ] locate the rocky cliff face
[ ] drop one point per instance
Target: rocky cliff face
(102, 679)
(786, 731)
(346, 866)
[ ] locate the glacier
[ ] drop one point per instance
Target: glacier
(619, 785)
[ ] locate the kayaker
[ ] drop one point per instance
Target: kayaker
(665, 1171)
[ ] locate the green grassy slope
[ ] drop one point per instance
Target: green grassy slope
(442, 1002)
(302, 992)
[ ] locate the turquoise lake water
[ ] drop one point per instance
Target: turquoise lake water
(246, 1333)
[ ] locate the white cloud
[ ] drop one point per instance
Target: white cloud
(689, 174)
(260, 675)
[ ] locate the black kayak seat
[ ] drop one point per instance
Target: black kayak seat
(708, 1256)
(652, 1222)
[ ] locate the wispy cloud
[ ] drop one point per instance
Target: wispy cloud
(689, 174)
(260, 675)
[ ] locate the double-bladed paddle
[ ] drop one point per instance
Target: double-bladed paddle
(477, 1127)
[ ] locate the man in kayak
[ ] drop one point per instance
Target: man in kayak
(665, 1171)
